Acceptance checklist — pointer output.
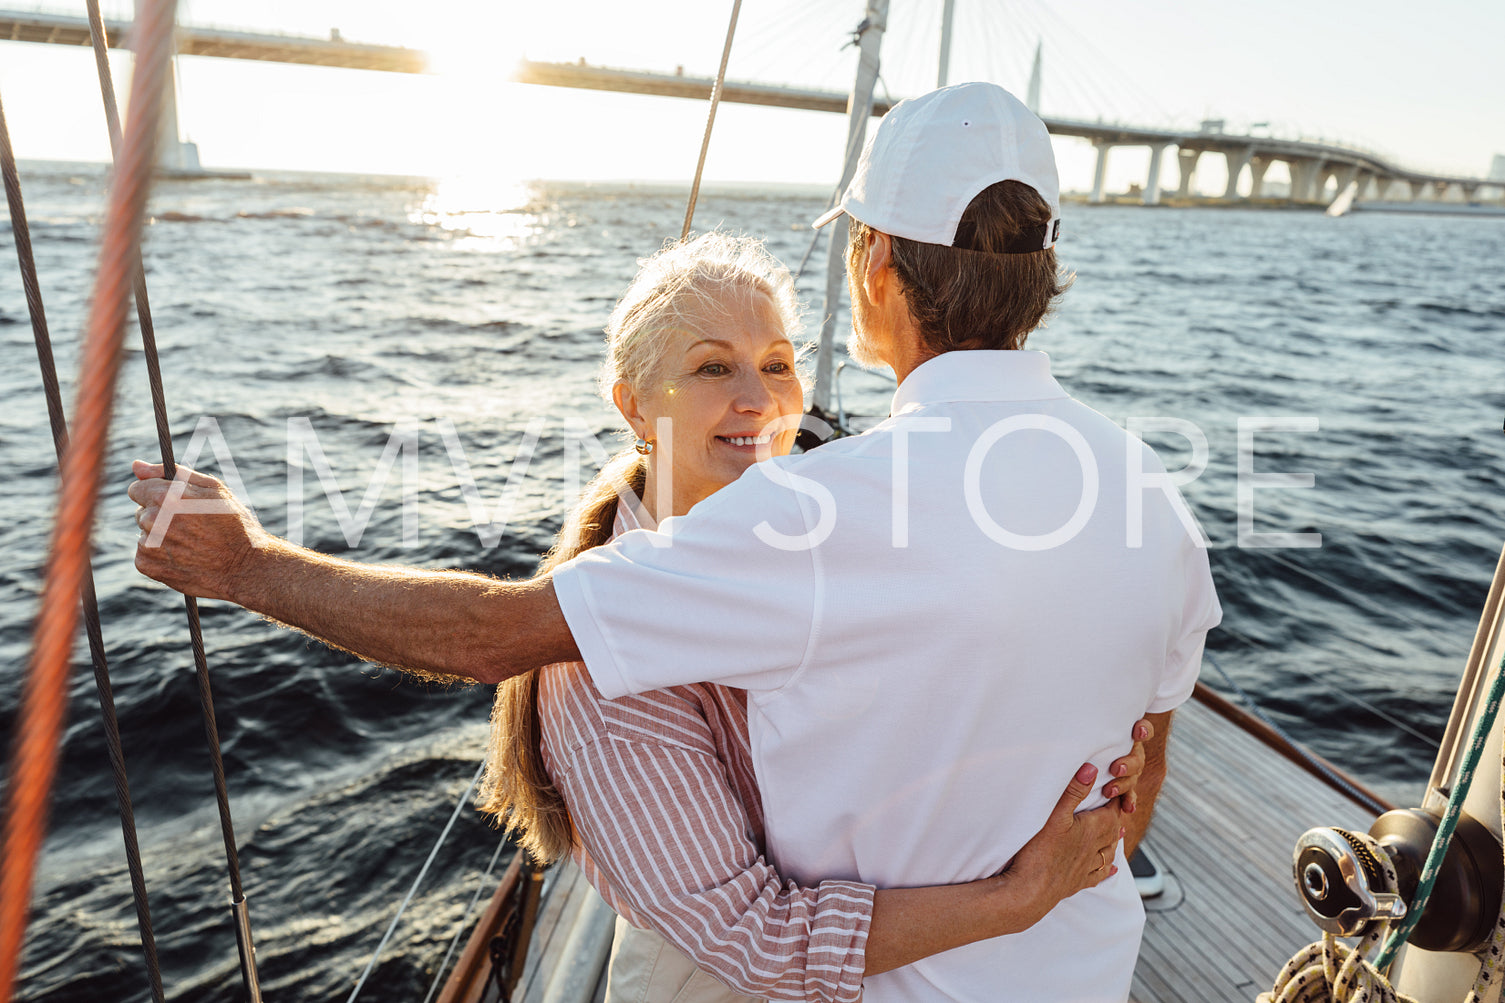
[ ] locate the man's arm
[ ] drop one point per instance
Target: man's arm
(447, 622)
(1150, 781)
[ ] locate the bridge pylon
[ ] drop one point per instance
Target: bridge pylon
(176, 156)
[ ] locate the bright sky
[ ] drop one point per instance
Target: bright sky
(1423, 84)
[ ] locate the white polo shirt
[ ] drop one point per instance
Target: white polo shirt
(937, 623)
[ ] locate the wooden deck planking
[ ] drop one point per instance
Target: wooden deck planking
(560, 906)
(1224, 829)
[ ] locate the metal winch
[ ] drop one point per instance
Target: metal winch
(1343, 886)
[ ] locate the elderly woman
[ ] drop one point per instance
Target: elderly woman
(655, 795)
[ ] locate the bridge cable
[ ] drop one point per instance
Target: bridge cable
(847, 157)
(45, 697)
(43, 339)
(238, 908)
(710, 121)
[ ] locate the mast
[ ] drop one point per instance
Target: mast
(945, 67)
(859, 110)
(1442, 974)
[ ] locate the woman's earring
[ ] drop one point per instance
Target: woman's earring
(644, 446)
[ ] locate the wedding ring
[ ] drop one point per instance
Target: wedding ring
(1102, 861)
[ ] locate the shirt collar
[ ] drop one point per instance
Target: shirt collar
(1012, 375)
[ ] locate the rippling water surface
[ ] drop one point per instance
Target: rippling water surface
(368, 307)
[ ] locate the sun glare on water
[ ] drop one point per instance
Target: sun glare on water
(480, 195)
(490, 212)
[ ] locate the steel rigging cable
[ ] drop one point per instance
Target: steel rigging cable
(705, 142)
(102, 685)
(44, 700)
(239, 910)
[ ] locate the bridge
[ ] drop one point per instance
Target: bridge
(61, 29)
(1313, 165)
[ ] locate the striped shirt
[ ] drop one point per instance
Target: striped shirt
(669, 829)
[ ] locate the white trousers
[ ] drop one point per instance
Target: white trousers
(646, 968)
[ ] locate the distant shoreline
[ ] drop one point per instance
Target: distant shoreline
(680, 188)
(667, 186)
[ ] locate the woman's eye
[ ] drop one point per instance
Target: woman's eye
(779, 367)
(713, 369)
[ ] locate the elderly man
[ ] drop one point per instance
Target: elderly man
(936, 622)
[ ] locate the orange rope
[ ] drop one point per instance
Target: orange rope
(34, 759)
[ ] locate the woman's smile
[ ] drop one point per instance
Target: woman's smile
(750, 440)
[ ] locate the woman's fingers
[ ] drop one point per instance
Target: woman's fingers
(1076, 792)
(1126, 769)
(1074, 850)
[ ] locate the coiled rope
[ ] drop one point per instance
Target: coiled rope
(45, 697)
(1329, 972)
(705, 141)
(116, 754)
(239, 910)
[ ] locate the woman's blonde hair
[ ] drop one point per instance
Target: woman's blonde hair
(684, 285)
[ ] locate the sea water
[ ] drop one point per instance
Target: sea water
(322, 322)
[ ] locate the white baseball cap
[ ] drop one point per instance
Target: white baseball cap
(932, 155)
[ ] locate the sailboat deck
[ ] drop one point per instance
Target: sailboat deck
(1224, 828)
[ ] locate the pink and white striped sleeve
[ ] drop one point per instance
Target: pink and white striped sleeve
(673, 849)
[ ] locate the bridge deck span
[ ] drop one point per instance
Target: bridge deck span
(1315, 161)
(62, 29)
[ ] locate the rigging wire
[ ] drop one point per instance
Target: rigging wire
(412, 889)
(1358, 597)
(815, 236)
(44, 700)
(1307, 757)
(465, 918)
(710, 121)
(1334, 689)
(239, 909)
(113, 748)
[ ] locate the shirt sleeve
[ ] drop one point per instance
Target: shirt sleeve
(725, 594)
(1200, 612)
(671, 841)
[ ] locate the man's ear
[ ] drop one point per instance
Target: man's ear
(627, 403)
(876, 270)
